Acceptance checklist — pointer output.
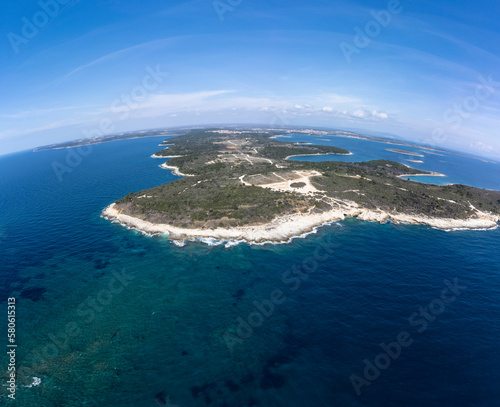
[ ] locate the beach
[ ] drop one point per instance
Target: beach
(430, 174)
(165, 156)
(174, 169)
(307, 155)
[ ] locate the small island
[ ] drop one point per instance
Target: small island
(405, 152)
(240, 186)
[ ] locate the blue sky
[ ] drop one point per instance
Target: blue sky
(425, 71)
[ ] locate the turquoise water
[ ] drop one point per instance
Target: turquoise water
(458, 169)
(108, 317)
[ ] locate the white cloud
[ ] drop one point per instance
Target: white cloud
(218, 102)
(163, 104)
(480, 146)
(380, 115)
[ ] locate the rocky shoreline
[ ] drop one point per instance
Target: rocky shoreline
(285, 228)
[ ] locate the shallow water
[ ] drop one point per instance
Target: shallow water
(457, 168)
(151, 322)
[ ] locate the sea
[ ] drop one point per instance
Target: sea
(357, 314)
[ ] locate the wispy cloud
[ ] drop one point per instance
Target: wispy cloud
(31, 113)
(216, 101)
(145, 45)
(12, 133)
(324, 105)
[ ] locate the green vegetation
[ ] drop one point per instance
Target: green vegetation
(379, 187)
(210, 203)
(215, 196)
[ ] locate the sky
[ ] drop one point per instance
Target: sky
(420, 70)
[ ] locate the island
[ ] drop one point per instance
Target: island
(405, 152)
(241, 186)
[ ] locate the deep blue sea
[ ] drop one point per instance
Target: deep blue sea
(406, 316)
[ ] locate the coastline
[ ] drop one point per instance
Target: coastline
(431, 174)
(285, 228)
(174, 169)
(92, 143)
(307, 155)
(165, 156)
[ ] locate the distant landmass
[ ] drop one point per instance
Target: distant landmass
(182, 130)
(282, 130)
(238, 184)
(105, 139)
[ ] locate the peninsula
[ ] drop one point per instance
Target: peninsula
(240, 185)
